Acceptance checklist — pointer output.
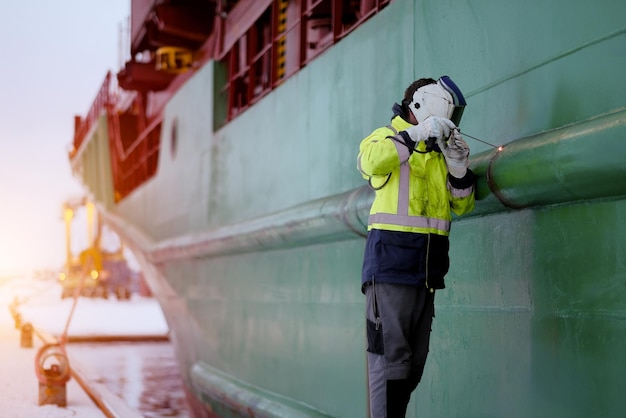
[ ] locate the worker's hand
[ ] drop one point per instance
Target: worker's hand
(456, 152)
(433, 127)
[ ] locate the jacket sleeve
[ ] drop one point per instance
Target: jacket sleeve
(380, 155)
(461, 193)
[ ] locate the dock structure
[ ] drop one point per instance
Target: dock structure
(19, 382)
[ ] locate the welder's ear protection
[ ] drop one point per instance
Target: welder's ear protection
(443, 99)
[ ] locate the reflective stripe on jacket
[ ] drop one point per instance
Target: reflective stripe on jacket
(413, 204)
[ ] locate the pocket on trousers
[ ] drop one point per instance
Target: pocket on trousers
(375, 338)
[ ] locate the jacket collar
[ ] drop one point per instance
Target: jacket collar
(399, 123)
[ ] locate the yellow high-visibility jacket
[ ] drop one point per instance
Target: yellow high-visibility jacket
(410, 217)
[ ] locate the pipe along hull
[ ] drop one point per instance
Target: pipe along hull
(580, 162)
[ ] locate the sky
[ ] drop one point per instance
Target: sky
(55, 56)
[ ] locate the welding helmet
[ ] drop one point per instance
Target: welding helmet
(443, 99)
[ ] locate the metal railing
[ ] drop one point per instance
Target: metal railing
(131, 164)
(100, 103)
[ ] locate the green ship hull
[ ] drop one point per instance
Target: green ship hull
(251, 234)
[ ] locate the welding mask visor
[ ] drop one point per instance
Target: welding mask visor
(458, 100)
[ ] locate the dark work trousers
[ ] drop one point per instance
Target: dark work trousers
(399, 319)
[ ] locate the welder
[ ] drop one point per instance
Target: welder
(418, 167)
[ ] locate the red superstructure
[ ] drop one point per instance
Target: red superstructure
(257, 43)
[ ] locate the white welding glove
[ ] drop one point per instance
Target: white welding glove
(432, 127)
(456, 152)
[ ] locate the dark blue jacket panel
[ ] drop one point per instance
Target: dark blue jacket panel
(405, 258)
